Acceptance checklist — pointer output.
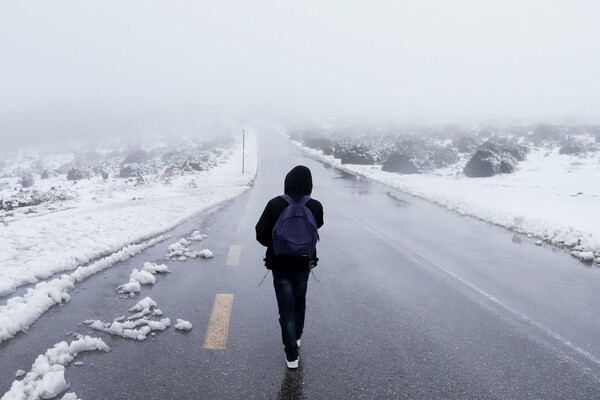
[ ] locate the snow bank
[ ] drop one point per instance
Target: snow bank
(22, 311)
(47, 377)
(553, 197)
(33, 249)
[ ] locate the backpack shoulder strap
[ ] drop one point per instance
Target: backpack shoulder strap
(287, 198)
(304, 200)
(291, 201)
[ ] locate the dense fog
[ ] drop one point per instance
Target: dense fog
(77, 69)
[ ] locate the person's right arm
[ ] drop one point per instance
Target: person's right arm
(264, 227)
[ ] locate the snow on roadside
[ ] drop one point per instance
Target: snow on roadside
(47, 377)
(552, 197)
(20, 312)
(179, 251)
(137, 326)
(33, 249)
(145, 276)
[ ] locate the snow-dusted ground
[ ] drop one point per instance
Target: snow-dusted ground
(112, 229)
(34, 247)
(553, 197)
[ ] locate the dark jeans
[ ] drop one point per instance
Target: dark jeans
(290, 289)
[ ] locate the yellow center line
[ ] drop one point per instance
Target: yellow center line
(218, 327)
(234, 255)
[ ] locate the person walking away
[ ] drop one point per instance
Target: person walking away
(288, 229)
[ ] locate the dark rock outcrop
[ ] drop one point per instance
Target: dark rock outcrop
(47, 174)
(360, 155)
(26, 180)
(139, 157)
(76, 174)
(548, 133)
(490, 159)
(572, 148)
(399, 163)
(466, 144)
(130, 171)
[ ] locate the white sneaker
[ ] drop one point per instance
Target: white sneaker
(292, 364)
(298, 342)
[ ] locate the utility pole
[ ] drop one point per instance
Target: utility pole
(243, 149)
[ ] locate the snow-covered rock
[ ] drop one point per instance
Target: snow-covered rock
(399, 163)
(489, 160)
(586, 256)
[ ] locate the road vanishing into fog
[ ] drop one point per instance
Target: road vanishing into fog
(412, 302)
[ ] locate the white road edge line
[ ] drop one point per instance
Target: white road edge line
(394, 243)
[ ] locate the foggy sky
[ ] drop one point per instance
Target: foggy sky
(77, 67)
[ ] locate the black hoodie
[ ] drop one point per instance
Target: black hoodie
(298, 183)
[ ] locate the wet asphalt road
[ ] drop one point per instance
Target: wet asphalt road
(412, 302)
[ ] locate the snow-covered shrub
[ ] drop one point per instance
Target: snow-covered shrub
(548, 133)
(47, 174)
(327, 146)
(466, 144)
(399, 163)
(27, 180)
(138, 157)
(130, 171)
(519, 152)
(33, 197)
(78, 173)
(356, 154)
(427, 154)
(490, 159)
(572, 147)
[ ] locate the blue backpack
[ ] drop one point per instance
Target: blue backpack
(295, 232)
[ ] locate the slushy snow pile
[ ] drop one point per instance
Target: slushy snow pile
(139, 325)
(183, 325)
(197, 236)
(22, 311)
(553, 197)
(179, 251)
(145, 276)
(47, 377)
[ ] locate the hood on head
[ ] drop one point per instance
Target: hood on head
(298, 182)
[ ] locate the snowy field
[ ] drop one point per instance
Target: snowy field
(552, 197)
(104, 216)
